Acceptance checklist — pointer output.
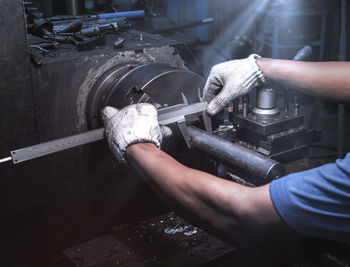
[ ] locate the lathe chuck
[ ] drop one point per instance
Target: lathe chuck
(157, 84)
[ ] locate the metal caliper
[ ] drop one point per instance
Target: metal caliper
(173, 114)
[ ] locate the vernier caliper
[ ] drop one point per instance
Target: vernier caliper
(173, 114)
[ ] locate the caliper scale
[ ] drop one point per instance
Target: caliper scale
(173, 114)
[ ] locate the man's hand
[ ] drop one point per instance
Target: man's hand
(230, 80)
(131, 125)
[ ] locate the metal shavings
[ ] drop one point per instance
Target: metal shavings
(191, 232)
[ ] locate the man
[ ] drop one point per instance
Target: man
(314, 203)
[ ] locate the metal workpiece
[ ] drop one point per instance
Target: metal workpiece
(303, 53)
(129, 84)
(261, 168)
(266, 101)
(266, 98)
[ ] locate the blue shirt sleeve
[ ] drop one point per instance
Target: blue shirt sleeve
(316, 202)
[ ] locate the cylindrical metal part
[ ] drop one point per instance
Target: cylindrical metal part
(266, 98)
(245, 105)
(303, 53)
(266, 101)
(233, 155)
(74, 26)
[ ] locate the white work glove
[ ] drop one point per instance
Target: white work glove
(230, 80)
(131, 125)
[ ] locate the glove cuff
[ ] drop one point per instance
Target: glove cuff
(119, 152)
(259, 74)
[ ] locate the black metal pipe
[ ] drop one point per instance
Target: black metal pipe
(233, 155)
(303, 53)
(183, 26)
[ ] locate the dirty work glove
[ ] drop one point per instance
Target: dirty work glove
(133, 124)
(230, 80)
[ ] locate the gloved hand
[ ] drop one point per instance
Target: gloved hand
(230, 80)
(133, 124)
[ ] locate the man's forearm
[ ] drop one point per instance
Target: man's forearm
(223, 207)
(326, 79)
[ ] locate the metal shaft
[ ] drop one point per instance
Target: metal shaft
(266, 98)
(233, 155)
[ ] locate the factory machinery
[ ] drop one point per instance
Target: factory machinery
(58, 87)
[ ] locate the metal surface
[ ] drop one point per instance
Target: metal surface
(51, 147)
(266, 98)
(279, 22)
(5, 159)
(261, 168)
(245, 105)
(171, 114)
(143, 83)
(266, 112)
(167, 240)
(165, 116)
(206, 118)
(261, 125)
(126, 84)
(101, 87)
(183, 129)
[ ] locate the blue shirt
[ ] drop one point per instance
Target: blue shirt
(316, 202)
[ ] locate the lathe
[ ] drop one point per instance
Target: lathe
(79, 194)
